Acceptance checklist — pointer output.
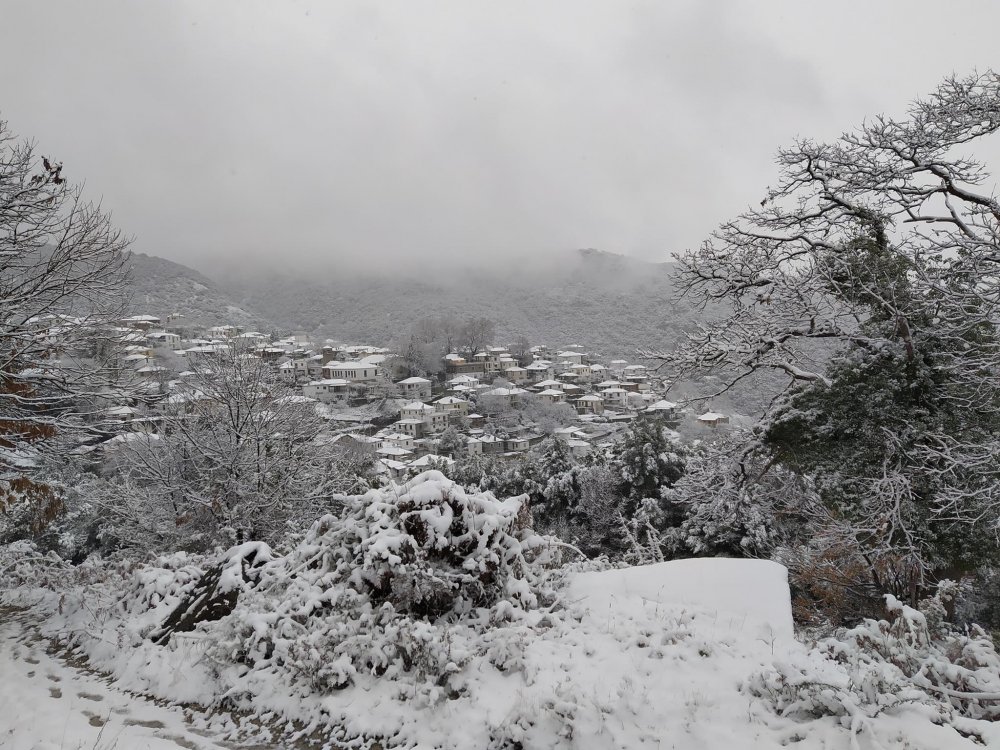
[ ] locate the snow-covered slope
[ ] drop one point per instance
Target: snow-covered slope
(648, 657)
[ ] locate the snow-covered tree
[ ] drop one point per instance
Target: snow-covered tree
(240, 457)
(62, 274)
(647, 463)
(869, 277)
(452, 443)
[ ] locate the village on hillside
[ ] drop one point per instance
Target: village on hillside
(486, 402)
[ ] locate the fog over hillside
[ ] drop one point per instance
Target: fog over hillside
(605, 302)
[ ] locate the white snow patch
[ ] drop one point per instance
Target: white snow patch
(742, 594)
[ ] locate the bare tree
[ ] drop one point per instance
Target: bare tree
(240, 457)
(475, 335)
(62, 284)
(881, 249)
(521, 350)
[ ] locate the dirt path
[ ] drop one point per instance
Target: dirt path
(48, 703)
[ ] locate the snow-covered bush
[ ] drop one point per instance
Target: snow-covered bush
(915, 657)
(400, 582)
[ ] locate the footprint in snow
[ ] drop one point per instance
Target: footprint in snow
(90, 696)
(55, 692)
(178, 740)
(147, 723)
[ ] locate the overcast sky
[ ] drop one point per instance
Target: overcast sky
(379, 132)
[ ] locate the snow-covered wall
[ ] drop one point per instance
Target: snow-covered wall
(746, 594)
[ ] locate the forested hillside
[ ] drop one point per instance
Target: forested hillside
(605, 302)
(162, 287)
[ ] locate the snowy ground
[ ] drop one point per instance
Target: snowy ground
(648, 657)
(46, 703)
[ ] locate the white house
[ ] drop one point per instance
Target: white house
(516, 444)
(539, 370)
(516, 374)
(570, 358)
(666, 409)
(464, 380)
(415, 388)
(415, 410)
(552, 396)
(164, 338)
(394, 452)
(400, 440)
(452, 405)
(617, 367)
(353, 371)
(616, 396)
(417, 419)
(635, 372)
(713, 419)
(548, 384)
(287, 372)
(328, 390)
(589, 404)
(500, 397)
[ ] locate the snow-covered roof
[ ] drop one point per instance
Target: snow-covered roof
(662, 405)
(711, 416)
(414, 381)
(394, 465)
(551, 392)
(347, 365)
(417, 406)
(396, 436)
(423, 461)
(120, 411)
(590, 398)
(451, 401)
(331, 381)
(393, 450)
(504, 392)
